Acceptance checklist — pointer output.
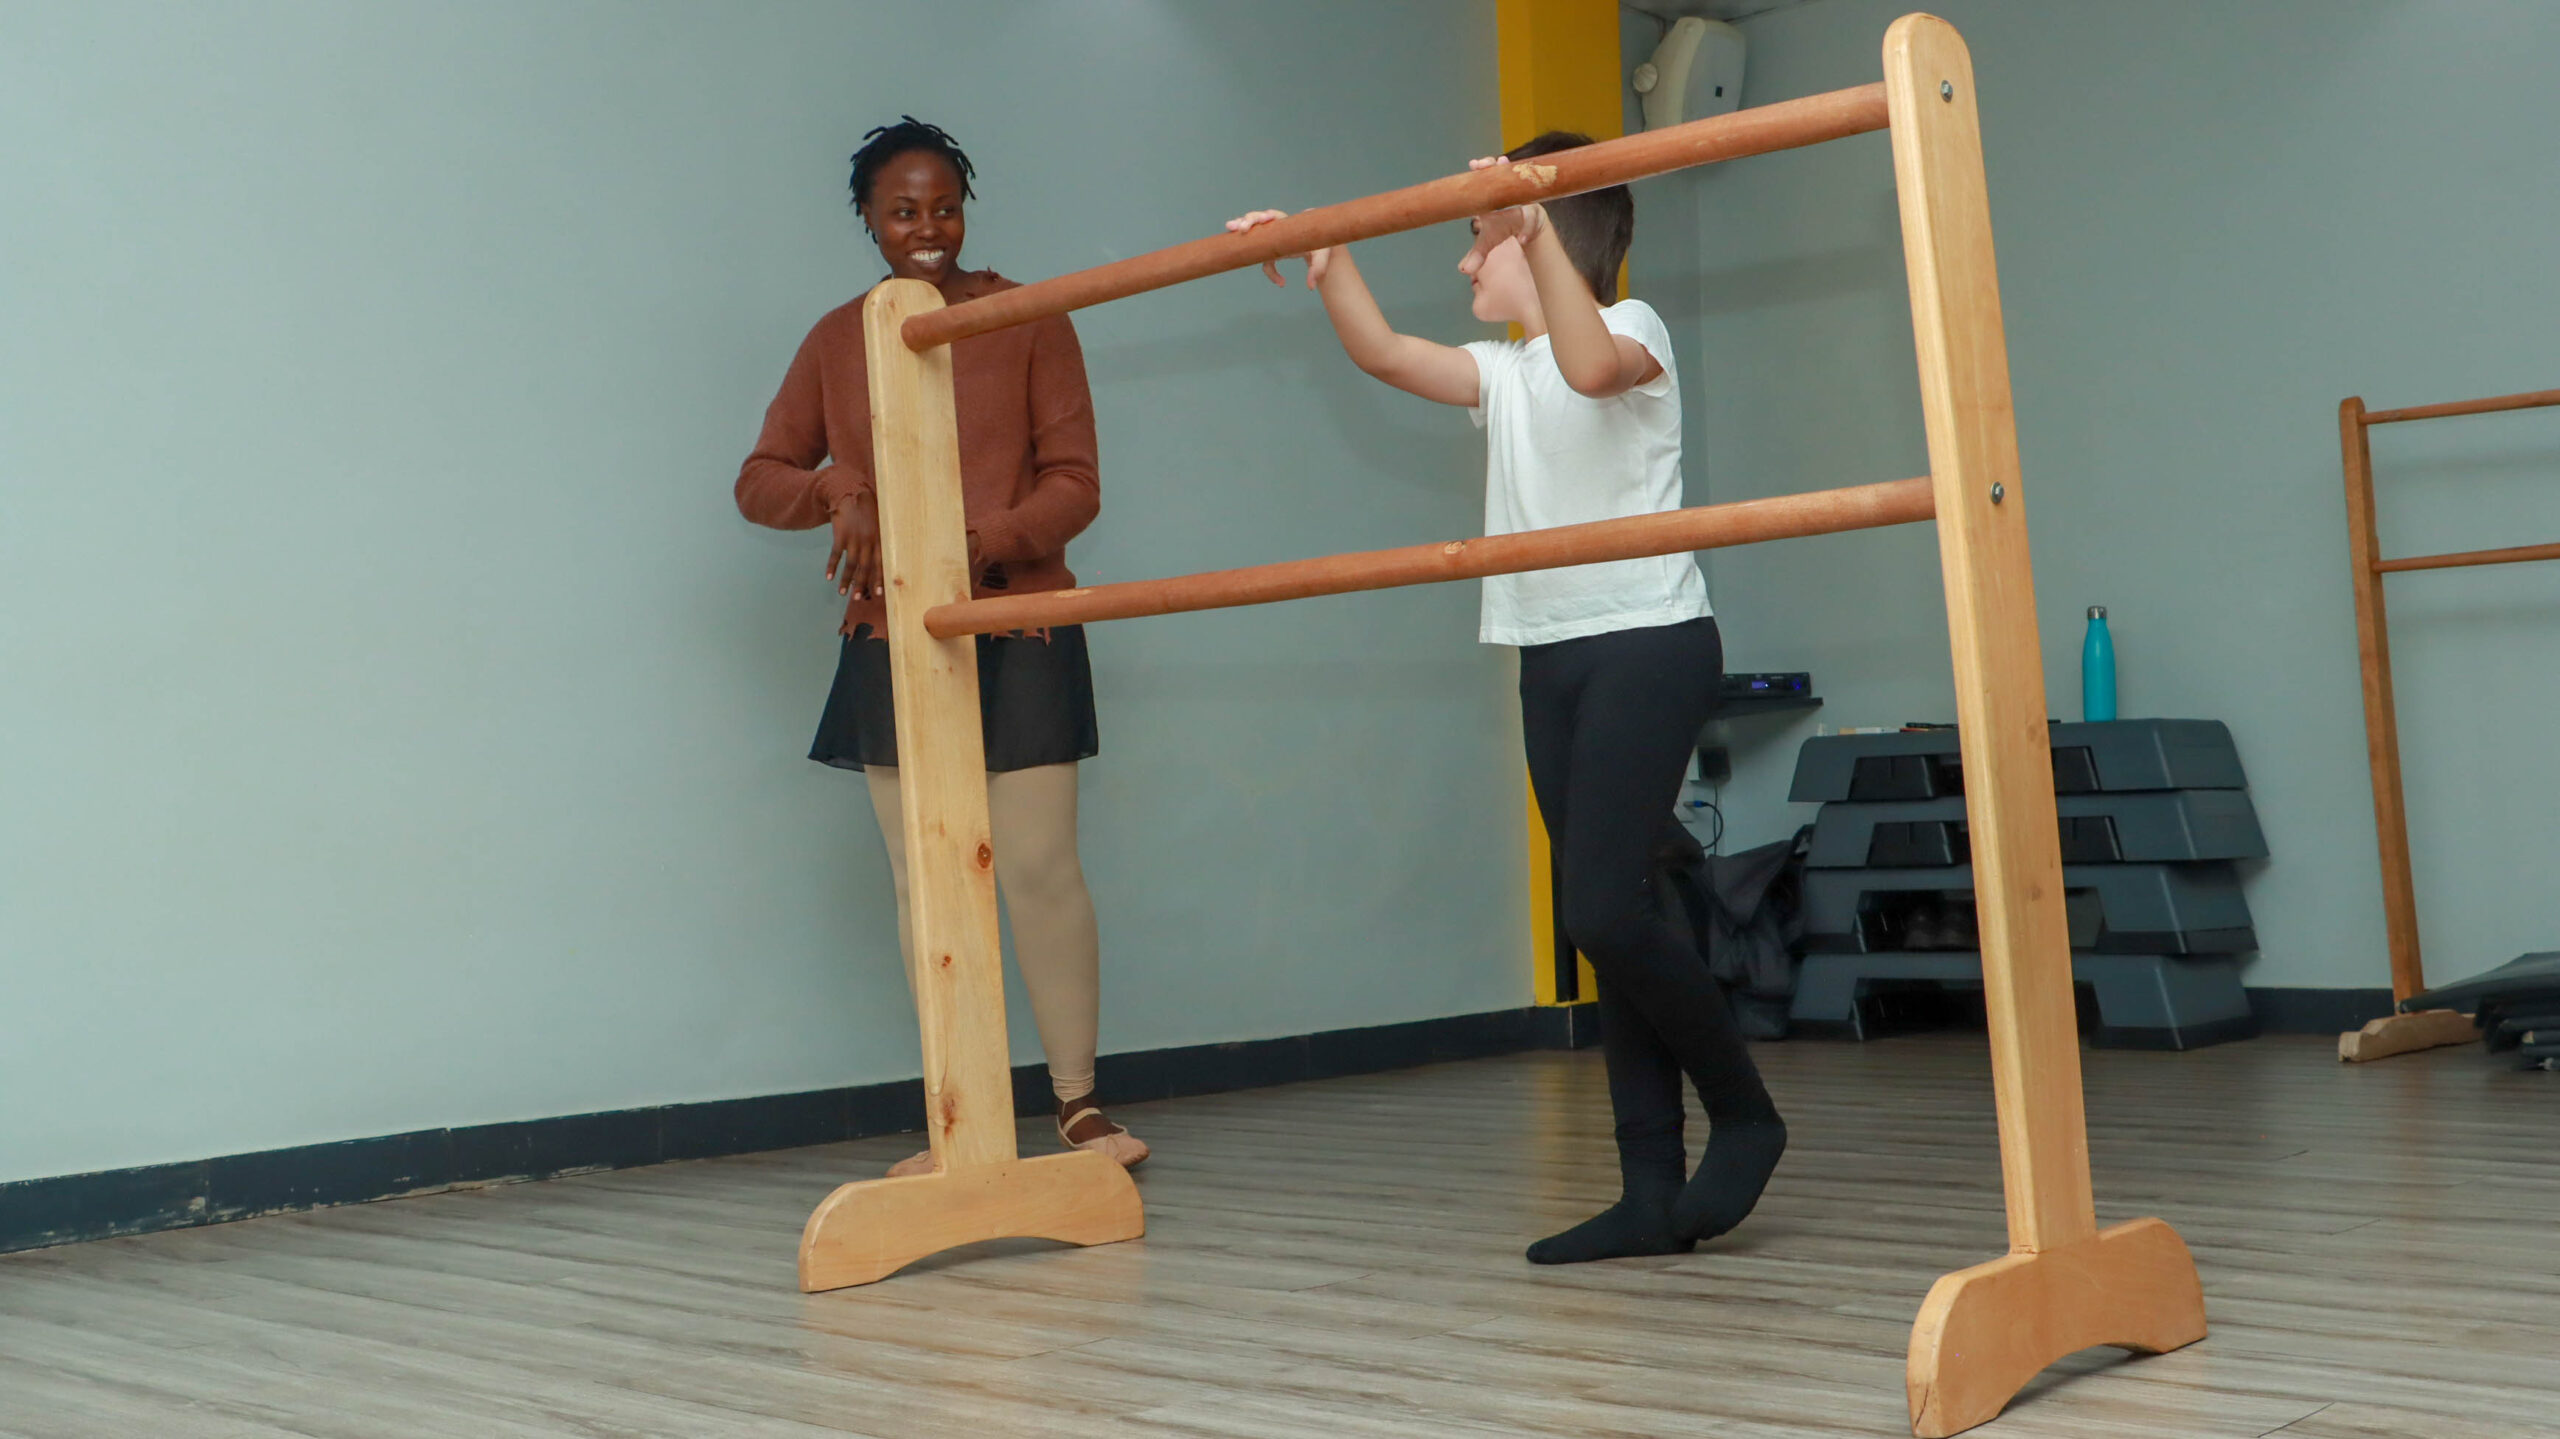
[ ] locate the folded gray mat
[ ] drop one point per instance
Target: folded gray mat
(2524, 977)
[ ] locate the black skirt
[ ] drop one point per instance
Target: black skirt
(1035, 700)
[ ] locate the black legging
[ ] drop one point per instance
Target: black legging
(1610, 721)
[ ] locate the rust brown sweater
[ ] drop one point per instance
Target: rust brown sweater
(1027, 455)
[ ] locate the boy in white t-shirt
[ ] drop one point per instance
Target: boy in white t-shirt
(1620, 664)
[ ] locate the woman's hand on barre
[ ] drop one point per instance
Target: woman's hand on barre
(853, 563)
(1318, 261)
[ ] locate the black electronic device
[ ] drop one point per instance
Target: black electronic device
(1785, 692)
(1789, 685)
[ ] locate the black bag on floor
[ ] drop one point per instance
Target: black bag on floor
(1741, 913)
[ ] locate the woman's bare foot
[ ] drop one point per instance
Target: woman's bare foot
(912, 1165)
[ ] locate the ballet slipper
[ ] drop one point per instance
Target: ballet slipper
(1101, 1136)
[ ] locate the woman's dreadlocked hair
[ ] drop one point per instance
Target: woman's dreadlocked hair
(884, 143)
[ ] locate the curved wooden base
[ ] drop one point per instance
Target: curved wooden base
(872, 1229)
(1984, 1332)
(2406, 1034)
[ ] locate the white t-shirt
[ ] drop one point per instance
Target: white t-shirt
(1555, 457)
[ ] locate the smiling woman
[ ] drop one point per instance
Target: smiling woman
(909, 182)
(1029, 485)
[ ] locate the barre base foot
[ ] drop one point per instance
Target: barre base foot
(1984, 1332)
(873, 1228)
(2406, 1034)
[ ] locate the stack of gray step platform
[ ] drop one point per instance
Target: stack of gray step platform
(2153, 815)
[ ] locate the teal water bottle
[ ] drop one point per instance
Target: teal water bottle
(2098, 669)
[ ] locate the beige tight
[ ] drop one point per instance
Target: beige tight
(1033, 812)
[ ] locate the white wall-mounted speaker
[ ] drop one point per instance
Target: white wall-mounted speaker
(1695, 72)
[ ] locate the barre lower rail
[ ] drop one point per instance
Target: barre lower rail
(1705, 527)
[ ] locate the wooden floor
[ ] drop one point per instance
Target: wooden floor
(2380, 1248)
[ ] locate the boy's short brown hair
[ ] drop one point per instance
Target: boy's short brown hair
(1595, 228)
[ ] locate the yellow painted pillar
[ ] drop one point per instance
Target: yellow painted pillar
(1559, 67)
(1558, 64)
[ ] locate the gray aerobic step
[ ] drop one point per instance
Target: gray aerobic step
(2140, 826)
(2146, 754)
(2145, 1001)
(2114, 909)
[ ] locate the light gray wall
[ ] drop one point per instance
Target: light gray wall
(2214, 222)
(401, 727)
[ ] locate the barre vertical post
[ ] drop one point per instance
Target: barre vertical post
(1983, 1332)
(2381, 712)
(981, 1188)
(944, 826)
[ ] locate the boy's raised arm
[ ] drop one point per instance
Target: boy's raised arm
(1415, 365)
(1595, 360)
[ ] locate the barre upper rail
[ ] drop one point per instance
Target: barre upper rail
(1783, 126)
(2512, 556)
(2532, 400)
(1706, 527)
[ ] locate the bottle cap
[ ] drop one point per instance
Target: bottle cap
(2097, 612)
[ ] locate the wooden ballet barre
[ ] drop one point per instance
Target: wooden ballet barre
(1984, 1331)
(2515, 555)
(2532, 400)
(2404, 1031)
(1787, 125)
(1705, 527)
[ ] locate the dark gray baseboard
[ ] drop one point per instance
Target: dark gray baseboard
(35, 1213)
(66, 1209)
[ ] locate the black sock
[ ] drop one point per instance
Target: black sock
(1639, 1223)
(1741, 1155)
